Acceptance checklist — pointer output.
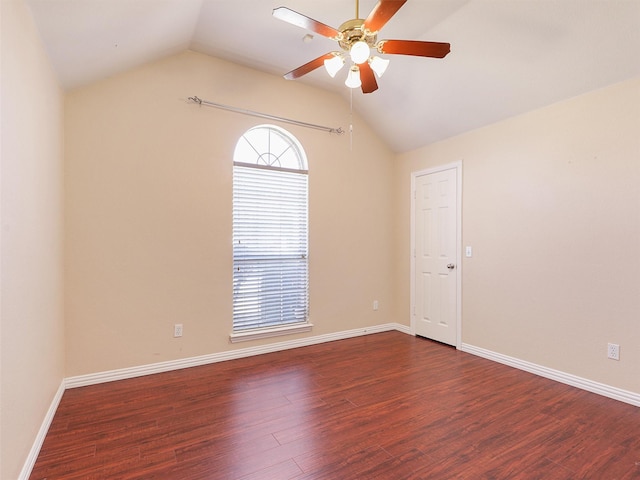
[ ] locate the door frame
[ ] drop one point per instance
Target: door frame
(457, 166)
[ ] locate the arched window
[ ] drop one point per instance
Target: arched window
(270, 234)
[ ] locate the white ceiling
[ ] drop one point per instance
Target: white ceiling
(507, 56)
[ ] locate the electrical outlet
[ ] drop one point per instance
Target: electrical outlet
(375, 305)
(177, 330)
(613, 351)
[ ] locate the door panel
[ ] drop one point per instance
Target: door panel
(435, 313)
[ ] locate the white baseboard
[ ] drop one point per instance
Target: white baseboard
(42, 433)
(124, 373)
(562, 377)
(402, 328)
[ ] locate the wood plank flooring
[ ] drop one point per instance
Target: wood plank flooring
(383, 406)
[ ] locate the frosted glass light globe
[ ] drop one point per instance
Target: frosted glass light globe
(359, 52)
(379, 65)
(334, 65)
(353, 79)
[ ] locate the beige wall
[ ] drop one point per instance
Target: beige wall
(148, 211)
(31, 323)
(551, 207)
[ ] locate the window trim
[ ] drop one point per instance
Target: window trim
(267, 332)
(270, 167)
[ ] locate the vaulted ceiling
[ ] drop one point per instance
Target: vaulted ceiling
(507, 56)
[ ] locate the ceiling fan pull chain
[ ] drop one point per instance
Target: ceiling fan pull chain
(351, 120)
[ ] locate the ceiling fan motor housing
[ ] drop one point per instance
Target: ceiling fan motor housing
(352, 31)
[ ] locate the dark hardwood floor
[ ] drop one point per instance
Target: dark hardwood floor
(383, 406)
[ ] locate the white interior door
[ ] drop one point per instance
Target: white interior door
(435, 308)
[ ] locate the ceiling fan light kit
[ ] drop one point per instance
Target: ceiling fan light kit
(353, 78)
(359, 52)
(379, 65)
(335, 64)
(358, 37)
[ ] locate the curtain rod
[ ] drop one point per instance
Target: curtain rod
(199, 101)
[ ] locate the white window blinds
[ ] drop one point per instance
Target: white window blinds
(270, 247)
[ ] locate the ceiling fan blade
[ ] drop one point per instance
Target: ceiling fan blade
(308, 67)
(381, 13)
(299, 20)
(414, 47)
(367, 78)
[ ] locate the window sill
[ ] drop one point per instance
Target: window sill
(270, 332)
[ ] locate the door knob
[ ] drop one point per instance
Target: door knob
(451, 266)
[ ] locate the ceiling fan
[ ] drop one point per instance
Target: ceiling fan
(357, 37)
